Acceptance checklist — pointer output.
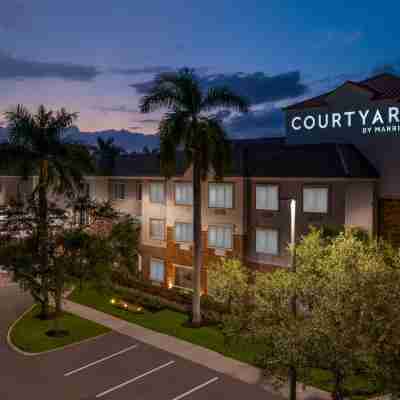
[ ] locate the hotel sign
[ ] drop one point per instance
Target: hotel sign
(383, 120)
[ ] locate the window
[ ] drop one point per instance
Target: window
(183, 193)
(267, 197)
(183, 232)
(220, 237)
(267, 241)
(183, 277)
(118, 191)
(157, 229)
(157, 194)
(82, 216)
(157, 270)
(315, 200)
(220, 195)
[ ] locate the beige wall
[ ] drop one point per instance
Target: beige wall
(130, 205)
(172, 213)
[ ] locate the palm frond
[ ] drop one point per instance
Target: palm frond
(223, 97)
(172, 131)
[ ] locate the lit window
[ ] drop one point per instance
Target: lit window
(157, 229)
(220, 237)
(183, 193)
(267, 241)
(183, 277)
(157, 194)
(315, 200)
(157, 270)
(118, 191)
(220, 195)
(183, 232)
(267, 197)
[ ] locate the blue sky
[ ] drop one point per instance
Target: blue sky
(94, 56)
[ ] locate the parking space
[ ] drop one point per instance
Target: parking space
(115, 367)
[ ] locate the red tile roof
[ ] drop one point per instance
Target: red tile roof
(383, 87)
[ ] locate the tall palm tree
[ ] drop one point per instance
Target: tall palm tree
(37, 146)
(189, 123)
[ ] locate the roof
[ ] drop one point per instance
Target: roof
(382, 87)
(325, 160)
(145, 165)
(269, 157)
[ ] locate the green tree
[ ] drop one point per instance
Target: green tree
(37, 146)
(188, 123)
(124, 242)
(228, 281)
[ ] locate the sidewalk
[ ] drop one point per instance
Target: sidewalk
(189, 351)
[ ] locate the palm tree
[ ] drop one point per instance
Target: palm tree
(37, 146)
(107, 152)
(189, 123)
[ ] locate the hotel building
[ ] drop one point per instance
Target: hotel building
(339, 172)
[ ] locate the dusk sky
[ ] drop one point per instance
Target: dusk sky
(97, 57)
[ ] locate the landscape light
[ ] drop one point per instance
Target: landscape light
(112, 301)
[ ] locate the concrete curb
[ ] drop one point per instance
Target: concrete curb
(29, 354)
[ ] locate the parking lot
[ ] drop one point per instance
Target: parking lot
(115, 367)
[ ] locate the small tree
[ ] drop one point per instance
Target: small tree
(228, 281)
(124, 242)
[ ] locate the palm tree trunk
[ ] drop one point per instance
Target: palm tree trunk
(43, 237)
(197, 252)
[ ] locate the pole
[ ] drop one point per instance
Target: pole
(292, 369)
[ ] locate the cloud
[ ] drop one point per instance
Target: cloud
(120, 109)
(155, 69)
(149, 121)
(257, 87)
(267, 122)
(14, 68)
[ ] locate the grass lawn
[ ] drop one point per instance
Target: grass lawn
(29, 334)
(172, 323)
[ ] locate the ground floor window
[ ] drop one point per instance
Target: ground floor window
(82, 216)
(157, 270)
(183, 277)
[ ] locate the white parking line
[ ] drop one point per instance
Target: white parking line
(195, 389)
(100, 361)
(121, 385)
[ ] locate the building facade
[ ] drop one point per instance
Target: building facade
(335, 161)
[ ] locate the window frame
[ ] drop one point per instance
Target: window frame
(183, 183)
(182, 223)
(328, 201)
(164, 271)
(185, 267)
(164, 192)
(232, 184)
(278, 247)
(150, 232)
(220, 226)
(114, 185)
(262, 184)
